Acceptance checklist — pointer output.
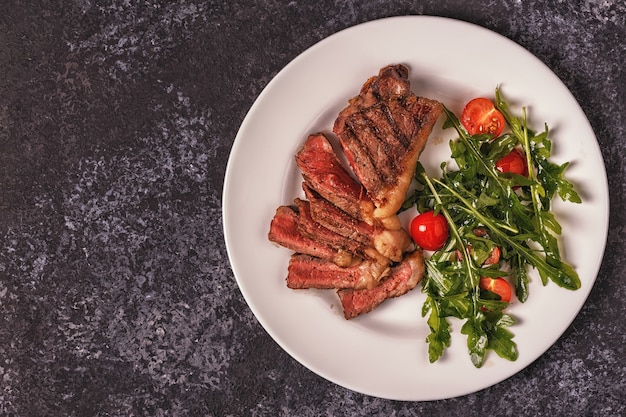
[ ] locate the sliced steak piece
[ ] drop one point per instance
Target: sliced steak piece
(390, 242)
(383, 131)
(309, 272)
(337, 220)
(284, 232)
(310, 228)
(324, 173)
(403, 278)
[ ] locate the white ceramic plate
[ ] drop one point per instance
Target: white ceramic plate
(384, 353)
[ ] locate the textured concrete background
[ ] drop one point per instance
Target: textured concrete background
(116, 121)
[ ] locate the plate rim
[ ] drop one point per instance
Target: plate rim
(260, 98)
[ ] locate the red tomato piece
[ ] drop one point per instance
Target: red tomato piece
(494, 257)
(498, 286)
(481, 116)
(429, 231)
(513, 162)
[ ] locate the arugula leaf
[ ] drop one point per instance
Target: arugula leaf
(477, 339)
(439, 338)
(514, 213)
(520, 277)
(500, 338)
(554, 270)
(539, 148)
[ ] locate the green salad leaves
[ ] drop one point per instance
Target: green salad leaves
(488, 209)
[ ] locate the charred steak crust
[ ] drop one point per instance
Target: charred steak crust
(383, 131)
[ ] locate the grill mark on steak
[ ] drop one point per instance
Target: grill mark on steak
(396, 114)
(383, 130)
(382, 137)
(361, 160)
(379, 151)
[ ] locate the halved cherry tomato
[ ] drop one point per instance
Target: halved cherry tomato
(481, 116)
(497, 286)
(494, 257)
(513, 162)
(430, 231)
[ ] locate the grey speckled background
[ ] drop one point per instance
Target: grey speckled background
(116, 122)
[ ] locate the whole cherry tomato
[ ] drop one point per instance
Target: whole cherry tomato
(513, 162)
(481, 116)
(430, 231)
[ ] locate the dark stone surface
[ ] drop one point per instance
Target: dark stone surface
(116, 122)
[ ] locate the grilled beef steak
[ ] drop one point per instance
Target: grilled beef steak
(323, 171)
(310, 272)
(337, 220)
(346, 234)
(310, 228)
(284, 232)
(389, 242)
(382, 131)
(403, 278)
